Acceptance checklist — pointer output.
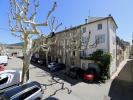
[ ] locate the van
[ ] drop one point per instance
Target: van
(9, 79)
(28, 91)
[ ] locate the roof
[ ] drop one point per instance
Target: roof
(18, 89)
(91, 20)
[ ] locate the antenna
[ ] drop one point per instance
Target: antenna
(132, 38)
(89, 16)
(89, 13)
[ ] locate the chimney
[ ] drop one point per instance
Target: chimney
(110, 15)
(86, 21)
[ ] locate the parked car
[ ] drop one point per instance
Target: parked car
(131, 56)
(41, 61)
(57, 67)
(28, 91)
(51, 64)
(2, 68)
(90, 75)
(34, 59)
(4, 60)
(9, 79)
(76, 73)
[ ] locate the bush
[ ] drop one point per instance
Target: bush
(103, 59)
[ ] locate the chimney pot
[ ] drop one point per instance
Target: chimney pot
(109, 15)
(86, 21)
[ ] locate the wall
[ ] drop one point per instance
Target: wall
(93, 27)
(112, 45)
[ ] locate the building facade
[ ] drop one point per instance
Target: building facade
(123, 50)
(74, 44)
(67, 47)
(99, 33)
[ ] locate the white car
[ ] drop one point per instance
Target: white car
(9, 79)
(4, 60)
(28, 91)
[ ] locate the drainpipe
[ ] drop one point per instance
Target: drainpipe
(108, 37)
(108, 44)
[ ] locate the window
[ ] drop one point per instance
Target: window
(60, 52)
(114, 40)
(4, 80)
(100, 38)
(84, 40)
(28, 93)
(67, 42)
(83, 65)
(72, 62)
(73, 53)
(84, 29)
(99, 26)
(114, 55)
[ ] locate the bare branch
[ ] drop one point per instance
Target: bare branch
(58, 26)
(49, 13)
(53, 24)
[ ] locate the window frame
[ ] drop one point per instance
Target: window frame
(5, 81)
(83, 29)
(99, 26)
(99, 39)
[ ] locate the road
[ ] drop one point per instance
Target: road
(80, 90)
(122, 86)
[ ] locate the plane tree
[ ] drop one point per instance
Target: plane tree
(24, 25)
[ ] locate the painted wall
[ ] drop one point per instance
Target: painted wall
(112, 45)
(109, 45)
(93, 28)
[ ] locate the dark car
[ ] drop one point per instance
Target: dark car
(57, 67)
(34, 60)
(41, 61)
(92, 73)
(28, 91)
(76, 73)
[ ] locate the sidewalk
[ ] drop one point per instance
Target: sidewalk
(119, 68)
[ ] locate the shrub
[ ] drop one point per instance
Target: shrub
(103, 59)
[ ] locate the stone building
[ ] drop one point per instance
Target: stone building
(122, 50)
(75, 43)
(67, 47)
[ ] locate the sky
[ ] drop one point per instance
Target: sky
(74, 12)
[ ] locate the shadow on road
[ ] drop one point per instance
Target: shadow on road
(122, 86)
(51, 98)
(60, 74)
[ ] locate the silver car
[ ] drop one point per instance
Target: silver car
(28, 91)
(9, 79)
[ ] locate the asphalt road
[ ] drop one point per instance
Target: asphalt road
(72, 89)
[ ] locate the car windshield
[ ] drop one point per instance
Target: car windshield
(91, 71)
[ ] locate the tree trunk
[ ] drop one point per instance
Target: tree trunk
(26, 63)
(46, 58)
(23, 72)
